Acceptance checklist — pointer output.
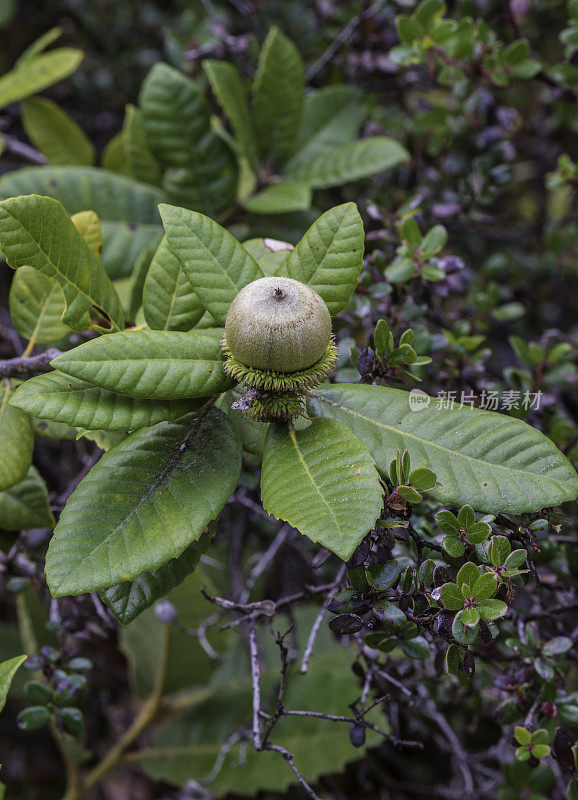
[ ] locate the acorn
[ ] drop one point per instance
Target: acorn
(278, 343)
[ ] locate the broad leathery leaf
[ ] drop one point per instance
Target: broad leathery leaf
(64, 399)
(321, 480)
(490, 461)
(129, 599)
(87, 224)
(351, 162)
(156, 365)
(268, 253)
(55, 133)
(8, 670)
(113, 157)
(215, 263)
(169, 300)
(329, 257)
(278, 95)
(141, 163)
(202, 170)
(280, 198)
(126, 208)
(332, 116)
(36, 306)
(16, 441)
(25, 505)
(187, 746)
(231, 95)
(37, 232)
(144, 502)
(38, 73)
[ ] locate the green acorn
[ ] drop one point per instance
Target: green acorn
(278, 343)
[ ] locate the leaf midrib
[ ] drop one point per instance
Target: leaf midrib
(452, 453)
(314, 484)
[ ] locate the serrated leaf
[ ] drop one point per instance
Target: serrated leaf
(177, 122)
(25, 505)
(329, 257)
(37, 232)
(154, 365)
(278, 94)
(494, 462)
(16, 442)
(36, 306)
(129, 599)
(351, 162)
(332, 116)
(64, 399)
(145, 501)
(55, 133)
(140, 161)
(8, 670)
(37, 73)
(231, 95)
(322, 481)
(213, 260)
(126, 208)
(169, 300)
(280, 198)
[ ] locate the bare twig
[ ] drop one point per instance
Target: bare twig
(318, 620)
(25, 367)
(14, 145)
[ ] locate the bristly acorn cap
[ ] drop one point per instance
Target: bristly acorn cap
(277, 324)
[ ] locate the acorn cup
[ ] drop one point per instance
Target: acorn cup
(278, 343)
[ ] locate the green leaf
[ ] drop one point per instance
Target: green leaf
(145, 501)
(416, 648)
(231, 95)
(447, 522)
(453, 547)
(451, 597)
(278, 95)
(87, 224)
(557, 646)
(521, 735)
(140, 161)
(55, 133)
(468, 574)
(322, 481)
(332, 116)
(422, 479)
(268, 253)
(65, 399)
(177, 124)
(213, 260)
(540, 751)
(16, 442)
(127, 209)
(494, 462)
(466, 517)
(478, 532)
(169, 300)
(383, 576)
(470, 617)
(484, 587)
(516, 559)
(37, 232)
(461, 633)
(25, 505)
(351, 162)
(8, 670)
(38, 73)
(500, 550)
(409, 494)
(329, 257)
(434, 241)
(154, 365)
(280, 198)
(129, 599)
(492, 609)
(38, 45)
(36, 306)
